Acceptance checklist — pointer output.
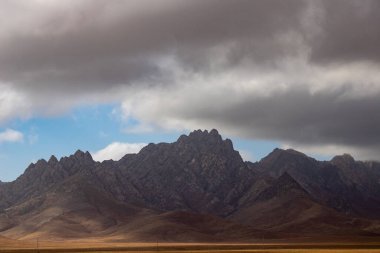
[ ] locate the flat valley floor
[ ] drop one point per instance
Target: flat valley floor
(77, 247)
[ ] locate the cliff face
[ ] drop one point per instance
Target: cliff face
(200, 172)
(187, 185)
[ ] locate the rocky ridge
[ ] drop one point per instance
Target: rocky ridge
(199, 178)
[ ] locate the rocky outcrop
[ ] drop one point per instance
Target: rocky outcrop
(199, 175)
(200, 172)
(41, 176)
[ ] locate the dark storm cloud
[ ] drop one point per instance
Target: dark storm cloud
(100, 44)
(350, 32)
(297, 115)
(291, 115)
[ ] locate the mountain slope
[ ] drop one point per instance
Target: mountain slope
(38, 178)
(200, 172)
(284, 206)
(349, 188)
(195, 189)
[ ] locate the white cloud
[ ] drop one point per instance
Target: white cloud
(117, 150)
(10, 135)
(13, 103)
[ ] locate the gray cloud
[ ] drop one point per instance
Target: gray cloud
(350, 32)
(101, 44)
(291, 115)
(298, 116)
(303, 72)
(316, 107)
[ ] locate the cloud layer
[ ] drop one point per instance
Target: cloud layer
(117, 150)
(302, 72)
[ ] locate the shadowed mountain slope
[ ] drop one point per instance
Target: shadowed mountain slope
(197, 187)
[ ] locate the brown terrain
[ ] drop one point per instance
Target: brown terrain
(197, 189)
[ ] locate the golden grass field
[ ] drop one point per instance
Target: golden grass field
(78, 246)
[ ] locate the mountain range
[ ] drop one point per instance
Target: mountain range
(195, 189)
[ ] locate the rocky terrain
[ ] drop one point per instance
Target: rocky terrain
(195, 189)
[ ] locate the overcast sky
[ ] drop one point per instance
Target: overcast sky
(292, 73)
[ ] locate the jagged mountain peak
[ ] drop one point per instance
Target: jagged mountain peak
(205, 139)
(345, 159)
(40, 162)
(79, 154)
(285, 152)
(282, 160)
(200, 173)
(52, 160)
(79, 158)
(202, 135)
(205, 133)
(295, 152)
(275, 154)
